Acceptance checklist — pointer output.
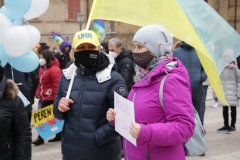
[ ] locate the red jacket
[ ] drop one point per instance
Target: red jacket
(48, 81)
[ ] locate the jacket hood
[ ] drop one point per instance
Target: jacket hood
(185, 45)
(64, 44)
(168, 66)
(8, 89)
(55, 62)
(124, 53)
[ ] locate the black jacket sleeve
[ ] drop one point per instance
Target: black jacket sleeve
(28, 82)
(22, 132)
(107, 131)
(203, 75)
(126, 70)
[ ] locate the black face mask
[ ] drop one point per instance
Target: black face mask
(87, 58)
(142, 59)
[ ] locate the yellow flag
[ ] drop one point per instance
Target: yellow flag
(168, 13)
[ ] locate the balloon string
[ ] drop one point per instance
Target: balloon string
(12, 69)
(26, 21)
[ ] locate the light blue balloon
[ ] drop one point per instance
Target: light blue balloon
(25, 63)
(3, 56)
(17, 8)
(8, 14)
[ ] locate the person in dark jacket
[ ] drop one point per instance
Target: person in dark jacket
(124, 61)
(105, 47)
(15, 135)
(187, 54)
(87, 135)
(24, 82)
(65, 47)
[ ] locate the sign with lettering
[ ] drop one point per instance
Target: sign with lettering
(45, 122)
(85, 35)
(124, 117)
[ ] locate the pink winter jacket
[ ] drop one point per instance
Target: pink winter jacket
(162, 131)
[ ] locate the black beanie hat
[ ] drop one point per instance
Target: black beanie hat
(1, 72)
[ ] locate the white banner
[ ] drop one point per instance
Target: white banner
(124, 117)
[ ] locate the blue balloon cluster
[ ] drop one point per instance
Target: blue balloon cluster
(15, 10)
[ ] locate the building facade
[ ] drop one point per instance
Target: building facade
(61, 18)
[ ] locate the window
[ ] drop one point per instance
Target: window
(73, 8)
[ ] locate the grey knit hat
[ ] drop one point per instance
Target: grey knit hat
(155, 38)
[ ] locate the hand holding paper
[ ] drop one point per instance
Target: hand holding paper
(135, 130)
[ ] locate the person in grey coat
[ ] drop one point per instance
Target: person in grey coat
(230, 78)
(188, 56)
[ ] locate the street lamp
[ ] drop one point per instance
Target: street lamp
(80, 19)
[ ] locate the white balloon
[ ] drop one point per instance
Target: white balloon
(5, 25)
(17, 41)
(37, 8)
(35, 35)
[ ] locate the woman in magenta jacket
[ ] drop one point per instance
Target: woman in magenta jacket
(159, 133)
(49, 78)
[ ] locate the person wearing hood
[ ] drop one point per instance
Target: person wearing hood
(230, 78)
(188, 56)
(86, 132)
(65, 48)
(124, 61)
(15, 135)
(159, 133)
(49, 77)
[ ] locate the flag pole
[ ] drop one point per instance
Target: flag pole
(71, 82)
(88, 23)
(90, 15)
(75, 68)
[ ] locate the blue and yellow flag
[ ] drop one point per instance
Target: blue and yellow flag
(194, 22)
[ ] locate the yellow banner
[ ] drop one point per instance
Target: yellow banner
(42, 116)
(167, 13)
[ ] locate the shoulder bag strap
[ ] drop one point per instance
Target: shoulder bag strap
(161, 90)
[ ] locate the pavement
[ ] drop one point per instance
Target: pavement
(221, 146)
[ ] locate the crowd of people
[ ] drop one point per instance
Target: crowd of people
(102, 69)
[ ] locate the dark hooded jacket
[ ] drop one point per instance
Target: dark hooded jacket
(125, 66)
(15, 135)
(87, 135)
(63, 58)
(188, 56)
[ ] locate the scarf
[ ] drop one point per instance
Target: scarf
(142, 72)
